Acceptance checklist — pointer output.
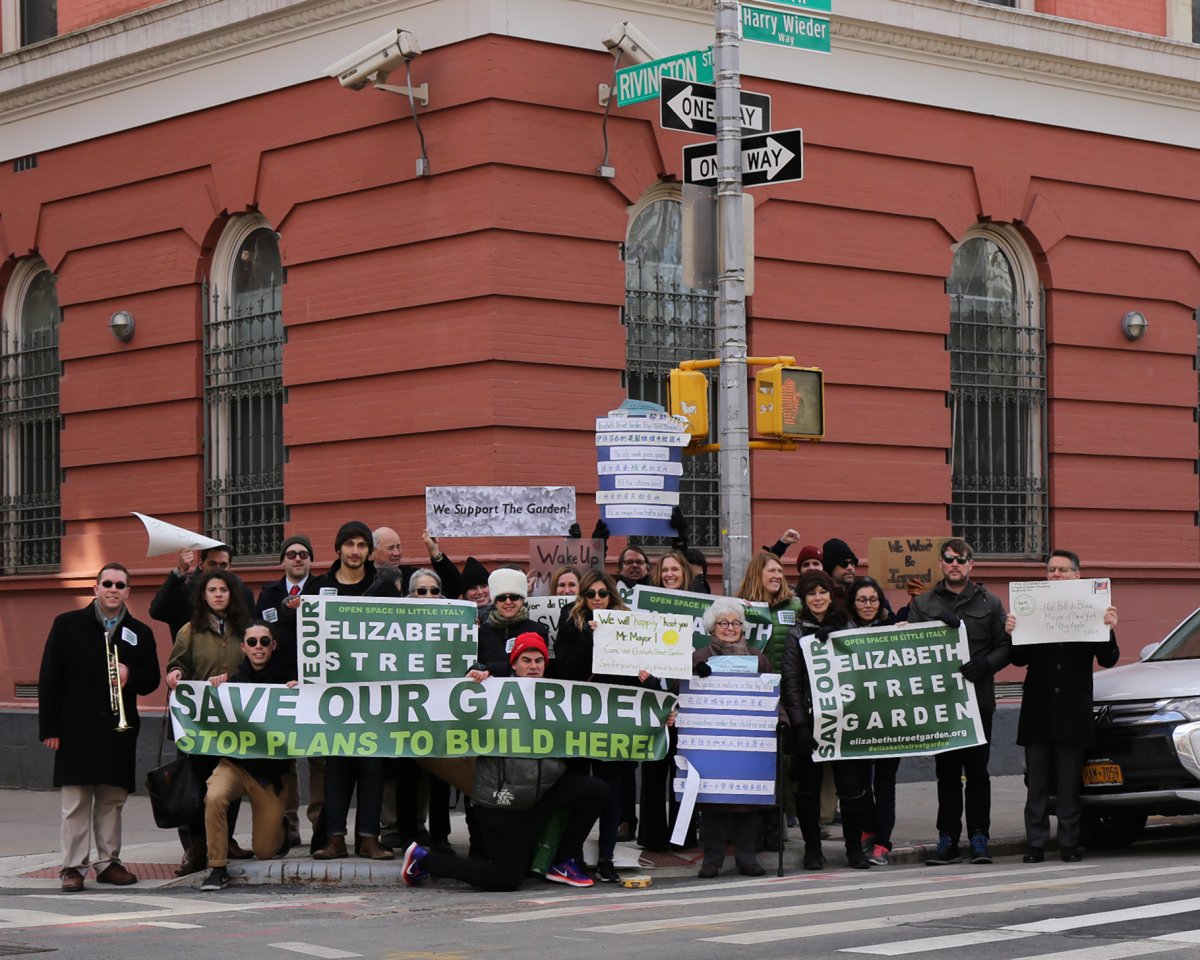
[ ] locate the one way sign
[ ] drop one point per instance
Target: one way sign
(775, 157)
(692, 107)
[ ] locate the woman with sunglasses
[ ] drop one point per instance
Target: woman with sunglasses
(504, 619)
(868, 608)
(206, 647)
(819, 614)
(573, 661)
(425, 584)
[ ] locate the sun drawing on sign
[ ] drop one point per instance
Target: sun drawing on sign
(670, 637)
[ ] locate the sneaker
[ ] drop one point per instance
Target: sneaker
(410, 867)
(568, 872)
(880, 855)
(217, 879)
(946, 852)
(979, 849)
(606, 872)
(868, 844)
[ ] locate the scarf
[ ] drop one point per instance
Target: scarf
(495, 620)
(108, 624)
(739, 649)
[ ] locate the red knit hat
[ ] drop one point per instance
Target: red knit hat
(527, 641)
(810, 552)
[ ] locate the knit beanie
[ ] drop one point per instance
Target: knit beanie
(474, 574)
(295, 540)
(810, 552)
(835, 553)
(507, 580)
(527, 641)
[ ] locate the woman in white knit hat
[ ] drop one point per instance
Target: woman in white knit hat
(504, 618)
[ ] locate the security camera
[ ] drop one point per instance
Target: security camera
(634, 45)
(376, 60)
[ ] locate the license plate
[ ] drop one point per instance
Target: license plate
(1102, 774)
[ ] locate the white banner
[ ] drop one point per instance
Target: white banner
(167, 538)
(627, 641)
(1060, 611)
(547, 611)
(499, 511)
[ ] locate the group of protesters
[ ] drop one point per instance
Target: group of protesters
(223, 633)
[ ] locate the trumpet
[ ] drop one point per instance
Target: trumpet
(115, 700)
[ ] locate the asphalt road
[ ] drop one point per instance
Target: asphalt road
(1138, 902)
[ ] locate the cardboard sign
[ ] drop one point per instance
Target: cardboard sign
(628, 641)
(893, 561)
(548, 553)
(1060, 611)
(499, 511)
(547, 611)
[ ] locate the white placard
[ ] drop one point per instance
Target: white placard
(167, 538)
(667, 468)
(639, 481)
(1060, 611)
(627, 641)
(641, 497)
(499, 511)
(547, 611)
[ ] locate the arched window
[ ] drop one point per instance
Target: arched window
(997, 397)
(30, 511)
(666, 322)
(243, 390)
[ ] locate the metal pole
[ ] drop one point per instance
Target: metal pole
(733, 431)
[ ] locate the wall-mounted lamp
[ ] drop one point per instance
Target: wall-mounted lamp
(121, 324)
(1133, 325)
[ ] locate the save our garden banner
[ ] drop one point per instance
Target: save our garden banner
(509, 716)
(891, 692)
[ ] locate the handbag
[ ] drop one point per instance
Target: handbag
(176, 793)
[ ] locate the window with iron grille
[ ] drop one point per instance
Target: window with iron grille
(30, 422)
(243, 391)
(666, 322)
(997, 398)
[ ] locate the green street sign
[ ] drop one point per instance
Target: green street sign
(782, 29)
(640, 82)
(816, 6)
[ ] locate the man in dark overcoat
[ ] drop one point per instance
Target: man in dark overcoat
(93, 760)
(1055, 725)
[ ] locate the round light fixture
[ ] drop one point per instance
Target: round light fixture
(121, 324)
(1133, 325)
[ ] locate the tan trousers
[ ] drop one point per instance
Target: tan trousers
(316, 789)
(87, 810)
(230, 782)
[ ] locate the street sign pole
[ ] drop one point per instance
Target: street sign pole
(733, 428)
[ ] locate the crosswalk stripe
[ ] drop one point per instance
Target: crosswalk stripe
(1109, 951)
(769, 913)
(169, 925)
(1181, 936)
(975, 937)
(1058, 924)
(165, 907)
(314, 950)
(861, 923)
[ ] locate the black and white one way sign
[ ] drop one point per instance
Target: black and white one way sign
(692, 107)
(768, 158)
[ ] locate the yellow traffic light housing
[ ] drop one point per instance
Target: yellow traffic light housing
(789, 402)
(687, 396)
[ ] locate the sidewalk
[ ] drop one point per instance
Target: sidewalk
(29, 844)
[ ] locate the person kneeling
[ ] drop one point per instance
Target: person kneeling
(514, 799)
(260, 780)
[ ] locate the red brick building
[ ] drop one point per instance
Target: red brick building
(319, 333)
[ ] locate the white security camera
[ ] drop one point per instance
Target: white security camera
(376, 60)
(634, 45)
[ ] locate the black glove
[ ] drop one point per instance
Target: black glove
(679, 523)
(784, 732)
(822, 634)
(976, 669)
(952, 620)
(702, 669)
(600, 530)
(573, 532)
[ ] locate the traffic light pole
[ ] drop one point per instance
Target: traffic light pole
(733, 428)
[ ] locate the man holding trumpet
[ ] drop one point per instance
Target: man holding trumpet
(97, 661)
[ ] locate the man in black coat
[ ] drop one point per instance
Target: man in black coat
(957, 598)
(1055, 725)
(172, 604)
(392, 576)
(93, 760)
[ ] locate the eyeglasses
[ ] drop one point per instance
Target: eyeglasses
(256, 641)
(867, 601)
(729, 624)
(297, 554)
(634, 562)
(509, 598)
(601, 594)
(428, 591)
(961, 561)
(110, 584)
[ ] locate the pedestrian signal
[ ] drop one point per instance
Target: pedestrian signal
(789, 402)
(687, 396)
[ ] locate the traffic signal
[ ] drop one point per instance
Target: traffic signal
(789, 402)
(687, 396)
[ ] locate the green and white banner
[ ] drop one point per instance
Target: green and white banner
(435, 718)
(352, 639)
(891, 692)
(685, 603)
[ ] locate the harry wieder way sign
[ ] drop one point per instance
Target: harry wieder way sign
(768, 158)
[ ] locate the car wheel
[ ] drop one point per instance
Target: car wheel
(1112, 829)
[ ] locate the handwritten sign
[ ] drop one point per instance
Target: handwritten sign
(639, 464)
(1060, 611)
(626, 641)
(547, 611)
(499, 511)
(548, 553)
(893, 561)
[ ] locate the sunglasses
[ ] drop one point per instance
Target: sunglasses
(109, 584)
(961, 561)
(257, 641)
(601, 594)
(428, 591)
(297, 554)
(509, 598)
